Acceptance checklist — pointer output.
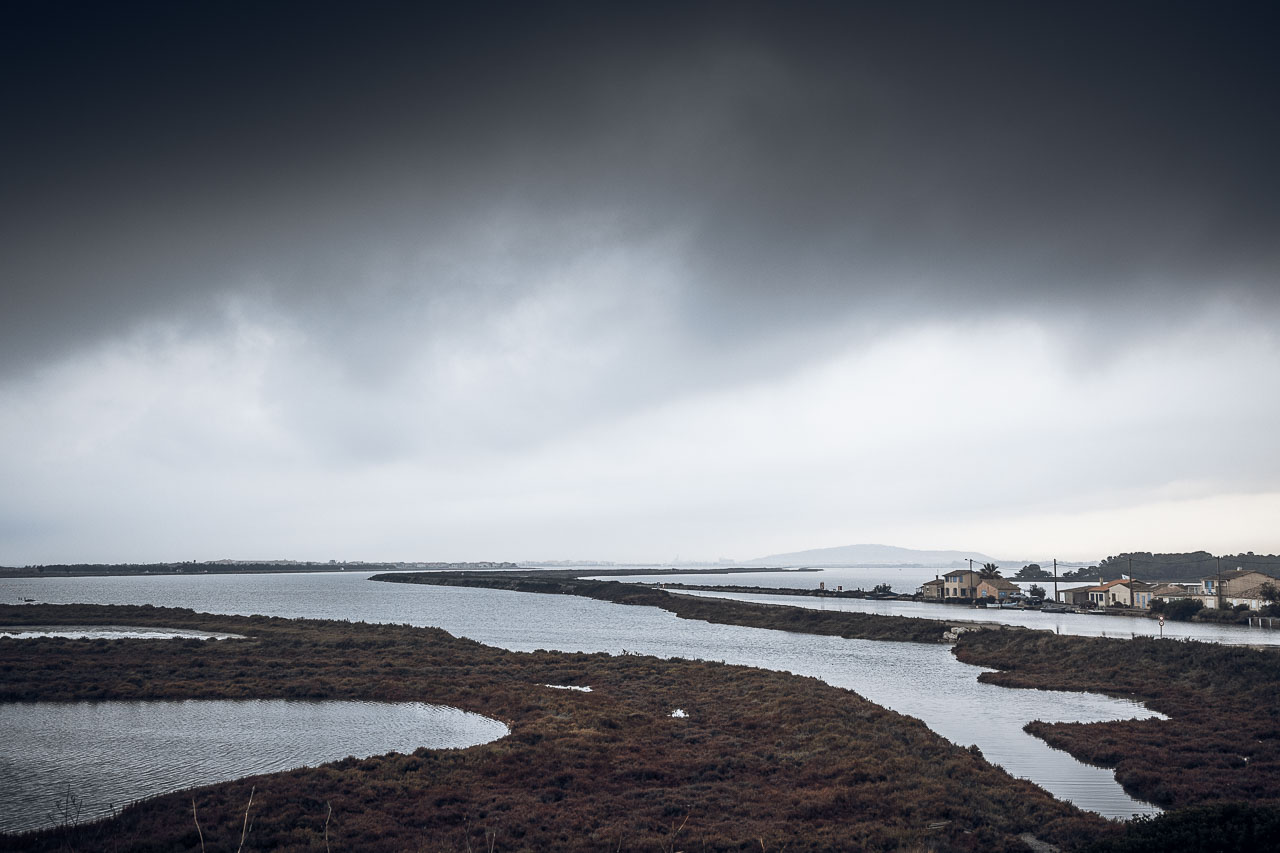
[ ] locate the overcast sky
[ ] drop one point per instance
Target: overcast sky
(636, 282)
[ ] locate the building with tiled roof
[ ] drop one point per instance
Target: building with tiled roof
(998, 589)
(961, 584)
(1076, 595)
(1172, 592)
(933, 590)
(1125, 592)
(1228, 589)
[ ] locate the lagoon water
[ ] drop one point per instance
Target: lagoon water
(67, 762)
(923, 681)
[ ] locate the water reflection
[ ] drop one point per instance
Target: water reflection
(64, 762)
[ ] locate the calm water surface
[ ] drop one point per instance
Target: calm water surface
(64, 762)
(920, 680)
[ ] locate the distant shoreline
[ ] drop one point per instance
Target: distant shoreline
(162, 569)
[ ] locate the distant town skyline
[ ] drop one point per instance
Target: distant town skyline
(629, 281)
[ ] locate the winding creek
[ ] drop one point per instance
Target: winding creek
(920, 680)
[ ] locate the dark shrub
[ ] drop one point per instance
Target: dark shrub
(1180, 610)
(1223, 828)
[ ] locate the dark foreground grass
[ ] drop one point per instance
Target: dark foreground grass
(862, 626)
(1221, 743)
(1220, 828)
(764, 761)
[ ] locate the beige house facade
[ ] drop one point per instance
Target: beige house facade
(1121, 593)
(961, 584)
(997, 589)
(933, 590)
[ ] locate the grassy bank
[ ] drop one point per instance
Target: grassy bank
(864, 626)
(804, 593)
(763, 761)
(1221, 743)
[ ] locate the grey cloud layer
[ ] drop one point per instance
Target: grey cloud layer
(391, 172)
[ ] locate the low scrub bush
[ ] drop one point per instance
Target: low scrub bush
(1223, 703)
(1223, 828)
(1179, 610)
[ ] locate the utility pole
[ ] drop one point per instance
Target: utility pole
(1130, 580)
(1219, 590)
(1055, 580)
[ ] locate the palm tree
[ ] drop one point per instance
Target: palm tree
(989, 570)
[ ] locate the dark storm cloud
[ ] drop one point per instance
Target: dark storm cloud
(883, 160)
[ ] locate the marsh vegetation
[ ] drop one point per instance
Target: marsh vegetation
(1221, 742)
(761, 758)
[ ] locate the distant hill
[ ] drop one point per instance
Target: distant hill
(873, 555)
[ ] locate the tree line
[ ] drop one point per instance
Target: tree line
(1146, 566)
